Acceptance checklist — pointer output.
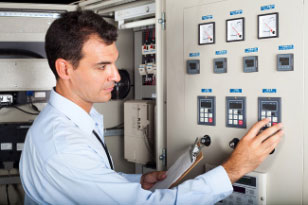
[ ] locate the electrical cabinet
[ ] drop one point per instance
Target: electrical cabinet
(253, 61)
(139, 141)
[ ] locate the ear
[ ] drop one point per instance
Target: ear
(63, 67)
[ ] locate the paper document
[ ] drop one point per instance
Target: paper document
(178, 170)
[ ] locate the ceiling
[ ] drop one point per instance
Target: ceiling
(41, 1)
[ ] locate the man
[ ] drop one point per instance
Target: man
(65, 160)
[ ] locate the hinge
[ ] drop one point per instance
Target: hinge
(162, 21)
(163, 157)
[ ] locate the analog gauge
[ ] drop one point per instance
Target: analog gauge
(235, 29)
(207, 33)
(268, 26)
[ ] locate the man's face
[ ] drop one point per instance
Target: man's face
(94, 78)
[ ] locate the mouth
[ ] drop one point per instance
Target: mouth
(109, 89)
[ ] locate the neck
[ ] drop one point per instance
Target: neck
(67, 93)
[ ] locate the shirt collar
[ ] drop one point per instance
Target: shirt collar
(75, 113)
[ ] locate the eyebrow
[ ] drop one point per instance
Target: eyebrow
(103, 63)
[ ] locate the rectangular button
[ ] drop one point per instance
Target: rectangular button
(201, 114)
(230, 111)
(269, 113)
(210, 120)
(210, 115)
(235, 117)
(230, 116)
(275, 119)
(206, 119)
(201, 109)
(235, 112)
(206, 110)
(269, 125)
(206, 115)
(201, 119)
(240, 117)
(263, 113)
(235, 122)
(240, 122)
(230, 122)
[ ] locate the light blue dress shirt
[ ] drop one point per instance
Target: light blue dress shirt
(63, 163)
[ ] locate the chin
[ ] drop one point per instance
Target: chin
(105, 98)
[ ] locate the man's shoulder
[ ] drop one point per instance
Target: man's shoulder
(52, 132)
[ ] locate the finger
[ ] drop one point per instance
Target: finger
(268, 132)
(153, 177)
(272, 142)
(254, 130)
(162, 175)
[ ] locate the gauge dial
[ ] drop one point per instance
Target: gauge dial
(268, 26)
(207, 33)
(235, 30)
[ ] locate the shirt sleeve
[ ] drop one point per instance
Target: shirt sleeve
(131, 177)
(80, 178)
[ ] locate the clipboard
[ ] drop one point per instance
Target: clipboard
(182, 166)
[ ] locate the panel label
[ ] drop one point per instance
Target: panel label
(222, 52)
(209, 90)
(251, 50)
(239, 90)
(272, 90)
(236, 12)
(19, 146)
(6, 146)
(197, 54)
(286, 47)
(207, 17)
(267, 7)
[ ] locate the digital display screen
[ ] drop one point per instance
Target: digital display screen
(233, 105)
(206, 104)
(219, 64)
(266, 106)
(239, 189)
(250, 63)
(284, 61)
(249, 181)
(193, 66)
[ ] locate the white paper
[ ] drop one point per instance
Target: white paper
(175, 171)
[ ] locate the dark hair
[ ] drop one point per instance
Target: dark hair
(66, 36)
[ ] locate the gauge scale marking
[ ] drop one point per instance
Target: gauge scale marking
(235, 30)
(207, 33)
(268, 26)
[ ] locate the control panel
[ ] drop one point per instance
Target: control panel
(220, 65)
(269, 107)
(285, 62)
(193, 66)
(250, 64)
(253, 60)
(206, 110)
(250, 189)
(12, 137)
(236, 112)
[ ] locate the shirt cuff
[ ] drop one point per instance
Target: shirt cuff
(219, 180)
(132, 177)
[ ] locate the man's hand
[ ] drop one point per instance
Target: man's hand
(252, 149)
(149, 179)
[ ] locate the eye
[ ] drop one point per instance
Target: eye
(102, 67)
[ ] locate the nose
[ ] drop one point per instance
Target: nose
(115, 76)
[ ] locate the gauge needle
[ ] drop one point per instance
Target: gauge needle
(236, 31)
(209, 36)
(268, 27)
